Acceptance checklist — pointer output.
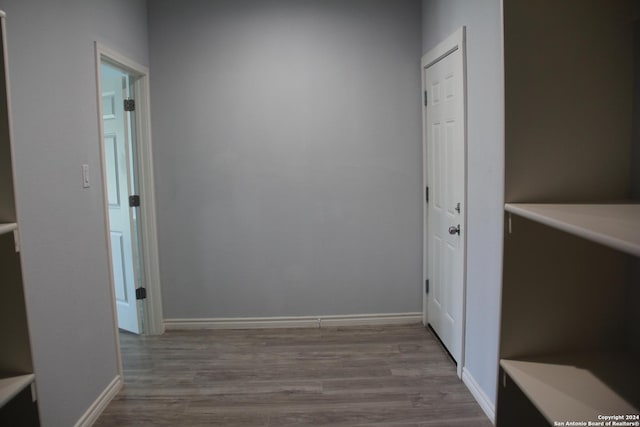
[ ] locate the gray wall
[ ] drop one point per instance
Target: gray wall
(485, 179)
(52, 71)
(287, 147)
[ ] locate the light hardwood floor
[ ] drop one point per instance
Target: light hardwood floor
(364, 376)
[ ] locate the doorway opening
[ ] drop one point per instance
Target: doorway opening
(127, 183)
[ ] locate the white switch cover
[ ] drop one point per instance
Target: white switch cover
(85, 176)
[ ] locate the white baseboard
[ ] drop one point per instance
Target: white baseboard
(96, 408)
(294, 321)
(483, 400)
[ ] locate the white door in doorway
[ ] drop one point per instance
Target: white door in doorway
(117, 155)
(445, 136)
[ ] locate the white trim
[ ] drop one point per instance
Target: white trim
(454, 42)
(371, 319)
(294, 321)
(483, 400)
(152, 312)
(154, 324)
(105, 206)
(99, 405)
(120, 60)
(425, 208)
(449, 45)
(501, 237)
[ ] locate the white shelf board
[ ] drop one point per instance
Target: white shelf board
(11, 386)
(8, 227)
(613, 225)
(579, 387)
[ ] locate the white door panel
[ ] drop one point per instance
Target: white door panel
(445, 165)
(111, 160)
(119, 272)
(116, 146)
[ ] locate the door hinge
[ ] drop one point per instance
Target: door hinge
(141, 293)
(426, 286)
(426, 194)
(425, 99)
(134, 201)
(129, 105)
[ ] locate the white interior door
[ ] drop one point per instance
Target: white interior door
(445, 139)
(117, 155)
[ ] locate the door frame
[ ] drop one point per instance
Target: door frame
(454, 42)
(152, 313)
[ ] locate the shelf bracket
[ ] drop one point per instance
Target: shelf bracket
(504, 379)
(16, 240)
(509, 223)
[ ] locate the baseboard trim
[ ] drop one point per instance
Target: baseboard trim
(96, 408)
(294, 321)
(480, 396)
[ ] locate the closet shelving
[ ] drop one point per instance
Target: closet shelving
(613, 225)
(570, 328)
(581, 386)
(8, 228)
(11, 386)
(17, 393)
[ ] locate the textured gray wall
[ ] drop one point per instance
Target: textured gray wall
(52, 71)
(287, 147)
(485, 179)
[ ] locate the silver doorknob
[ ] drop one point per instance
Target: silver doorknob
(454, 230)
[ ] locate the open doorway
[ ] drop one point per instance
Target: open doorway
(127, 179)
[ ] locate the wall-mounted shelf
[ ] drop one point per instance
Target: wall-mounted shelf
(579, 386)
(18, 402)
(613, 225)
(8, 227)
(570, 316)
(11, 386)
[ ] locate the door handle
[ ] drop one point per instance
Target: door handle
(454, 230)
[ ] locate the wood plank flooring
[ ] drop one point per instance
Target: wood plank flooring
(364, 376)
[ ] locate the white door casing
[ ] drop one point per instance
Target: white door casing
(151, 315)
(445, 175)
(117, 155)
